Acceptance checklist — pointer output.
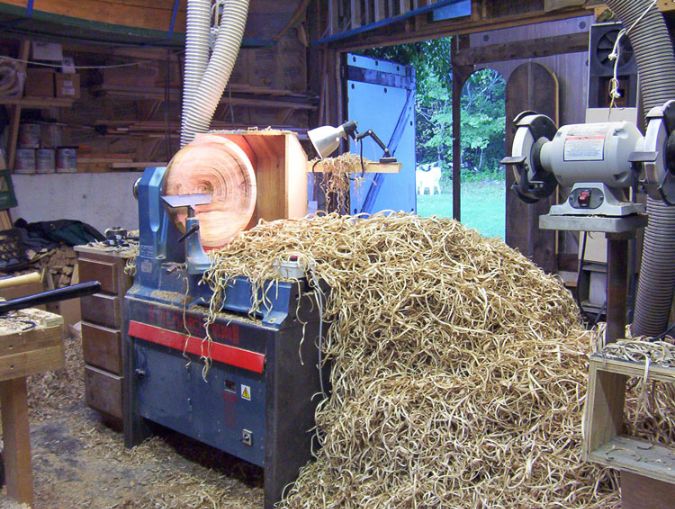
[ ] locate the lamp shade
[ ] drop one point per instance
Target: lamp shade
(326, 139)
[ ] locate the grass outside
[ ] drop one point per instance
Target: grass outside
(483, 206)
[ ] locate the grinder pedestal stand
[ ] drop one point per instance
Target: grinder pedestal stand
(618, 231)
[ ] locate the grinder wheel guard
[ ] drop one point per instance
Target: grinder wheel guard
(217, 166)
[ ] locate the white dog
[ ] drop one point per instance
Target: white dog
(428, 176)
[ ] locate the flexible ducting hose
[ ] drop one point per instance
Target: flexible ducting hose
(656, 64)
(197, 119)
(196, 51)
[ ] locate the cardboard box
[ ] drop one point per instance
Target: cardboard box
(67, 85)
(39, 83)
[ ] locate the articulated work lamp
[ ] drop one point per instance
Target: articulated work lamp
(326, 140)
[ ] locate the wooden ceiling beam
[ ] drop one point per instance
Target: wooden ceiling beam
(462, 26)
(145, 14)
(535, 48)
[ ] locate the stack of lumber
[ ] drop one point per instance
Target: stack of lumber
(58, 265)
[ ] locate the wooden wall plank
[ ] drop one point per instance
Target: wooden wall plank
(404, 6)
(535, 48)
(530, 87)
(356, 13)
(367, 11)
(333, 17)
(379, 9)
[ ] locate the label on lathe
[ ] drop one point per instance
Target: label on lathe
(245, 392)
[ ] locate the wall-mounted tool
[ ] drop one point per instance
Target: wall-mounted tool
(603, 45)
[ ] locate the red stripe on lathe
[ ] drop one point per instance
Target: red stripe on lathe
(225, 354)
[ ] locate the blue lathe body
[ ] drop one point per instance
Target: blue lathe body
(258, 398)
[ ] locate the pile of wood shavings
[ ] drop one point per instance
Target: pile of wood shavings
(650, 405)
(130, 264)
(52, 392)
(661, 353)
(337, 175)
(458, 367)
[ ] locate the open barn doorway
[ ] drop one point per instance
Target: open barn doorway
(482, 141)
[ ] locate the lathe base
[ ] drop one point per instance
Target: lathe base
(259, 397)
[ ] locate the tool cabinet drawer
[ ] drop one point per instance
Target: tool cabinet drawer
(97, 270)
(101, 309)
(102, 347)
(103, 391)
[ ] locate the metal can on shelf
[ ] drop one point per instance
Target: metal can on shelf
(45, 160)
(25, 160)
(66, 160)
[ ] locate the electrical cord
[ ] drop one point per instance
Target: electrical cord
(632, 283)
(599, 314)
(581, 268)
(58, 66)
(615, 56)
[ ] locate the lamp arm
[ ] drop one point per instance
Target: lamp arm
(375, 137)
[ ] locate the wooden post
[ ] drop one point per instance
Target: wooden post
(16, 437)
(459, 76)
(15, 112)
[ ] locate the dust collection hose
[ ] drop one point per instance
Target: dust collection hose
(196, 51)
(656, 64)
(197, 118)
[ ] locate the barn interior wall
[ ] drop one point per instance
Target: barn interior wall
(571, 69)
(101, 200)
(122, 122)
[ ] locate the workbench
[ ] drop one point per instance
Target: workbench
(31, 342)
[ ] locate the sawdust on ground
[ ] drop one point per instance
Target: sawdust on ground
(79, 462)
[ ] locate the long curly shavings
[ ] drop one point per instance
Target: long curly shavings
(336, 177)
(458, 368)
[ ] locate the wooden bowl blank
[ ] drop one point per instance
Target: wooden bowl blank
(214, 165)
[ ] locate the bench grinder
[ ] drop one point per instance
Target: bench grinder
(601, 162)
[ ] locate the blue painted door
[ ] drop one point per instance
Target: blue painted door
(381, 97)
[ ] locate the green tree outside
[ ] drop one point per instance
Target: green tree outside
(483, 120)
